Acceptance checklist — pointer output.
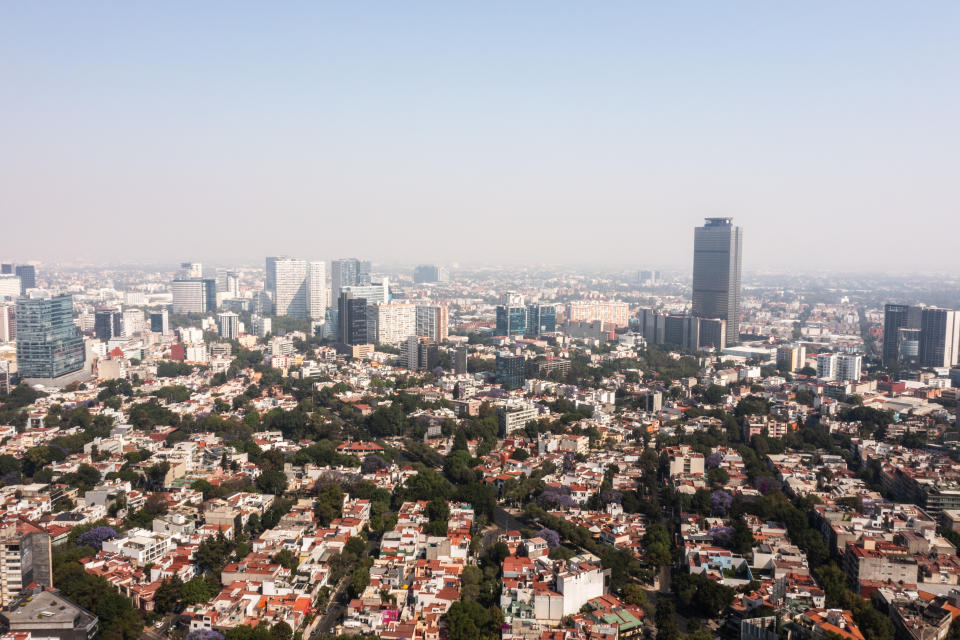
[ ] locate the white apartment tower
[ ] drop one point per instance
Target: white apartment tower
(827, 366)
(432, 322)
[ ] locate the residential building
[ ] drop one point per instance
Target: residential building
(432, 322)
(611, 312)
(26, 559)
(848, 367)
(49, 345)
(9, 286)
(288, 278)
(515, 414)
(228, 324)
(460, 360)
(717, 255)
(827, 366)
(8, 322)
(47, 615)
(791, 357)
(317, 302)
(390, 323)
(684, 461)
(260, 326)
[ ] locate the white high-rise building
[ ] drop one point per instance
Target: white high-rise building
(228, 324)
(190, 270)
(9, 286)
(133, 322)
(290, 287)
(391, 323)
(848, 367)
(8, 322)
(317, 290)
(827, 366)
(260, 326)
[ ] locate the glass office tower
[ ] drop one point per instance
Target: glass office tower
(49, 345)
(717, 252)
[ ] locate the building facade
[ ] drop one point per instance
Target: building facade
(49, 345)
(717, 255)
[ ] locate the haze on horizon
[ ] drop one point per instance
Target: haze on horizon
(438, 132)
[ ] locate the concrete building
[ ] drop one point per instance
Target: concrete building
(515, 414)
(160, 322)
(47, 615)
(9, 286)
(684, 461)
(390, 323)
(460, 360)
(260, 326)
(426, 273)
(939, 337)
(511, 317)
(509, 370)
(827, 366)
(194, 295)
(26, 558)
(849, 367)
(228, 324)
(8, 322)
(108, 324)
(348, 272)
(432, 322)
(611, 312)
(717, 256)
(791, 357)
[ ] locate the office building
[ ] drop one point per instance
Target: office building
(432, 322)
(194, 295)
(541, 318)
(228, 283)
(6, 268)
(713, 334)
(648, 278)
(9, 286)
(228, 324)
(681, 331)
(827, 366)
(895, 318)
(287, 280)
(426, 273)
(612, 312)
(373, 293)
(791, 357)
(160, 322)
(190, 271)
(348, 272)
(509, 370)
(390, 323)
(511, 315)
(652, 325)
(260, 326)
(460, 360)
(26, 558)
(8, 322)
(352, 317)
(49, 345)
(28, 277)
(939, 337)
(108, 324)
(849, 367)
(717, 254)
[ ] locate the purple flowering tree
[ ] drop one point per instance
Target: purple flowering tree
(714, 460)
(204, 634)
(372, 464)
(551, 537)
(766, 484)
(721, 502)
(96, 537)
(722, 536)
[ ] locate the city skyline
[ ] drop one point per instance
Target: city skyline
(601, 132)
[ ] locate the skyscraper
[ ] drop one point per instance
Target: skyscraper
(194, 295)
(49, 345)
(298, 288)
(347, 272)
(895, 318)
(511, 315)
(353, 319)
(160, 322)
(541, 318)
(317, 291)
(28, 277)
(939, 337)
(107, 324)
(432, 322)
(717, 254)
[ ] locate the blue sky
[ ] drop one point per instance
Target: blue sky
(533, 131)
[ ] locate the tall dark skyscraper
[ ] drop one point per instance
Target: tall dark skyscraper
(352, 319)
(49, 345)
(895, 348)
(28, 277)
(107, 324)
(717, 255)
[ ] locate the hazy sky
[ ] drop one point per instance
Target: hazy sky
(575, 132)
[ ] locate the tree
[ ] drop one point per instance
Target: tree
(96, 537)
(665, 618)
(273, 481)
(168, 595)
(197, 590)
(281, 631)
